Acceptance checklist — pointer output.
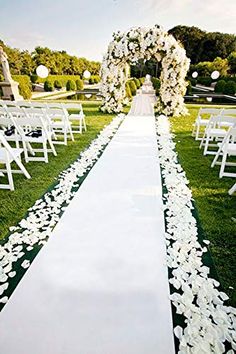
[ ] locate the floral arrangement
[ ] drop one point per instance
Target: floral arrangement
(142, 43)
(44, 215)
(208, 322)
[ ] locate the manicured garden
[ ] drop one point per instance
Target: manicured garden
(216, 209)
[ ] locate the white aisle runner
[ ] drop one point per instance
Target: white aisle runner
(100, 285)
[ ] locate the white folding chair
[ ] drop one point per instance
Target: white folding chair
(7, 156)
(232, 189)
(79, 118)
(60, 124)
(202, 120)
(226, 148)
(215, 132)
(35, 129)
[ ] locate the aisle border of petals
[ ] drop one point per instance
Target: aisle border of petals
(209, 324)
(42, 217)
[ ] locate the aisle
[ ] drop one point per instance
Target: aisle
(100, 285)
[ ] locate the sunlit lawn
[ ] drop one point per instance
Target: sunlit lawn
(216, 209)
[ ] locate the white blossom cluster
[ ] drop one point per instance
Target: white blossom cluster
(145, 43)
(209, 324)
(44, 215)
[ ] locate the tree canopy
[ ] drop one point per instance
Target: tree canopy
(58, 62)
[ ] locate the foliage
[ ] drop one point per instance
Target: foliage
(220, 85)
(141, 80)
(128, 91)
(189, 88)
(48, 86)
(57, 84)
(62, 78)
(94, 79)
(25, 86)
(142, 68)
(232, 62)
(58, 62)
(79, 84)
(215, 207)
(206, 81)
(204, 46)
(230, 88)
(133, 87)
(156, 84)
(206, 68)
(33, 78)
(137, 83)
(70, 85)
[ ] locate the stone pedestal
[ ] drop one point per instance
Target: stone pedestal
(10, 90)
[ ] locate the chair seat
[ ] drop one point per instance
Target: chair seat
(3, 154)
(75, 116)
(230, 149)
(60, 124)
(203, 121)
(216, 132)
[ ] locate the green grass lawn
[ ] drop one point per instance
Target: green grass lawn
(14, 205)
(216, 209)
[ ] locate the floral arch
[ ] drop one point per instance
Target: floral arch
(143, 43)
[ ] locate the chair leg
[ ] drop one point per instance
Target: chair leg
(232, 189)
(9, 175)
(71, 134)
(206, 145)
(216, 157)
(222, 167)
(197, 132)
(45, 151)
(25, 152)
(52, 147)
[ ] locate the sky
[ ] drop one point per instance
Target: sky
(84, 28)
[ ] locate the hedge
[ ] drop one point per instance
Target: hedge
(156, 84)
(79, 84)
(137, 82)
(220, 86)
(230, 88)
(25, 86)
(62, 78)
(48, 86)
(133, 87)
(94, 79)
(70, 85)
(127, 90)
(57, 84)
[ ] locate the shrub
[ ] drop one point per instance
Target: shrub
(91, 80)
(33, 78)
(127, 90)
(137, 82)
(193, 81)
(230, 88)
(25, 86)
(48, 86)
(189, 88)
(220, 86)
(70, 85)
(156, 84)
(133, 87)
(204, 80)
(141, 80)
(79, 84)
(57, 84)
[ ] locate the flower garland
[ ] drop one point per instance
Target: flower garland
(142, 43)
(208, 322)
(44, 215)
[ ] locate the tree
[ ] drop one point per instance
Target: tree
(232, 62)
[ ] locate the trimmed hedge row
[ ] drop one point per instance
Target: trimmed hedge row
(52, 78)
(228, 88)
(94, 79)
(25, 86)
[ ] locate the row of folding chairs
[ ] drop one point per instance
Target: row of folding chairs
(76, 120)
(218, 138)
(33, 131)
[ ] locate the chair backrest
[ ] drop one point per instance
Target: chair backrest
(56, 114)
(9, 103)
(36, 104)
(206, 113)
(14, 111)
(229, 112)
(227, 119)
(24, 103)
(54, 105)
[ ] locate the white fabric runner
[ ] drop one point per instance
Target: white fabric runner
(142, 105)
(100, 285)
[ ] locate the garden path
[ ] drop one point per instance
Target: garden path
(100, 284)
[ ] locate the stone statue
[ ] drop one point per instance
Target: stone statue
(5, 66)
